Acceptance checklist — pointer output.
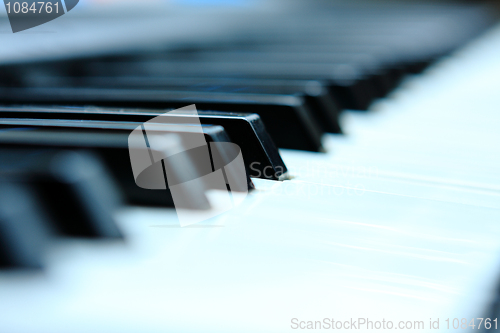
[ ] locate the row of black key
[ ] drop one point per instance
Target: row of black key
(77, 197)
(289, 76)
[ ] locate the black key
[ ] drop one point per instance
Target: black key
(286, 119)
(73, 187)
(220, 154)
(346, 82)
(247, 131)
(368, 68)
(380, 65)
(23, 236)
(315, 93)
(113, 149)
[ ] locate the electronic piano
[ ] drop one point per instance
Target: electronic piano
(368, 133)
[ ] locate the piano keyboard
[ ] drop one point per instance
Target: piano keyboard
(369, 133)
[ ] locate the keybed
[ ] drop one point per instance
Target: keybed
(367, 133)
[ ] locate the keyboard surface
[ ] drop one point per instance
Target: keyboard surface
(397, 219)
